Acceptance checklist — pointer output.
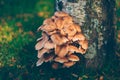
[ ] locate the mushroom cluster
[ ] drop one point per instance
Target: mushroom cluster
(61, 38)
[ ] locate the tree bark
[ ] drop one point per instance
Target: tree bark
(96, 20)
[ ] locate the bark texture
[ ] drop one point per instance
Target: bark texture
(96, 20)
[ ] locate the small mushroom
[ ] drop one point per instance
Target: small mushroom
(39, 39)
(48, 21)
(49, 45)
(58, 39)
(62, 32)
(61, 60)
(70, 30)
(57, 49)
(81, 50)
(73, 57)
(63, 51)
(77, 27)
(69, 64)
(73, 49)
(53, 18)
(40, 61)
(41, 42)
(60, 14)
(78, 36)
(84, 44)
(68, 19)
(41, 52)
(47, 27)
(59, 23)
(52, 32)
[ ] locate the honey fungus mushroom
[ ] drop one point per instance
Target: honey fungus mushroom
(57, 45)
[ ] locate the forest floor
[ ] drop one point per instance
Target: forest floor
(19, 20)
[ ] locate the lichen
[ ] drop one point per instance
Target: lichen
(92, 51)
(75, 9)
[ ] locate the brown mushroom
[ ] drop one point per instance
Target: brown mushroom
(78, 36)
(59, 23)
(41, 42)
(70, 30)
(63, 51)
(41, 52)
(47, 27)
(62, 32)
(49, 45)
(48, 21)
(61, 60)
(52, 32)
(73, 49)
(57, 49)
(58, 39)
(60, 14)
(40, 61)
(69, 64)
(73, 57)
(84, 44)
(68, 19)
(81, 50)
(77, 27)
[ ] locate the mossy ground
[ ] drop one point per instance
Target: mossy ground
(19, 20)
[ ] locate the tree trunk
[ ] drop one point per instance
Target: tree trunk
(96, 20)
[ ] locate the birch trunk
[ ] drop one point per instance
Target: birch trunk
(96, 20)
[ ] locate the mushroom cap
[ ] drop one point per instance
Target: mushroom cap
(52, 32)
(69, 64)
(48, 21)
(73, 49)
(70, 30)
(84, 44)
(77, 27)
(61, 60)
(81, 50)
(53, 18)
(63, 51)
(57, 49)
(73, 57)
(59, 23)
(41, 52)
(39, 39)
(58, 39)
(41, 42)
(60, 14)
(47, 27)
(78, 36)
(49, 45)
(62, 32)
(68, 19)
(40, 61)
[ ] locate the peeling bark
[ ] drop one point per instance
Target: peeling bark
(96, 20)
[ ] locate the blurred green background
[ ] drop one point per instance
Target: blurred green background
(19, 20)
